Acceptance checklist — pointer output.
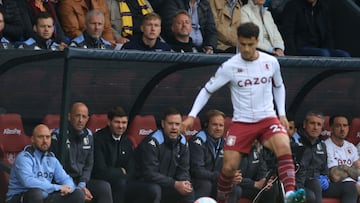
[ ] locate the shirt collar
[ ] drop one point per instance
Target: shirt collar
(116, 138)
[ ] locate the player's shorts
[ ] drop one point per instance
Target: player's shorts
(241, 136)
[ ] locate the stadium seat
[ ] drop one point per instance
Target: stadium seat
(354, 132)
(12, 141)
(52, 121)
(97, 121)
(195, 129)
(331, 200)
(140, 127)
(244, 200)
(326, 133)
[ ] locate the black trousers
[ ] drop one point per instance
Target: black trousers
(153, 193)
(35, 195)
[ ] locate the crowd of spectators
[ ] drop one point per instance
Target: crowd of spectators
(198, 26)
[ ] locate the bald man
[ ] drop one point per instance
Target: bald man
(37, 176)
(79, 155)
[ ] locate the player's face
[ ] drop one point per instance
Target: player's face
(45, 28)
(215, 127)
(313, 126)
(41, 138)
(78, 117)
(340, 128)
(118, 125)
(247, 47)
(171, 125)
(151, 29)
(95, 26)
(292, 128)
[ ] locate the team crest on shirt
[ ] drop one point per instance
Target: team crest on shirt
(267, 66)
(239, 70)
(230, 140)
(86, 140)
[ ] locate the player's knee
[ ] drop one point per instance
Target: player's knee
(229, 170)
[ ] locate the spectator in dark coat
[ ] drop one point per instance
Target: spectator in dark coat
(204, 34)
(13, 30)
(307, 29)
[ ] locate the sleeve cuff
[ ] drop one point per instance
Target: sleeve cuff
(81, 184)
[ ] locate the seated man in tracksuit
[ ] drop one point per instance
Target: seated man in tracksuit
(91, 37)
(206, 157)
(162, 160)
(37, 176)
(313, 174)
(259, 170)
(79, 155)
(43, 35)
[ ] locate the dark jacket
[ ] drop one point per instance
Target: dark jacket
(253, 168)
(313, 159)
(206, 156)
(206, 20)
(49, 6)
(306, 26)
(85, 41)
(182, 46)
(13, 30)
(37, 43)
(5, 44)
(79, 153)
(162, 160)
(138, 44)
(111, 155)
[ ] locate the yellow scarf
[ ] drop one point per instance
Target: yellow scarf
(126, 16)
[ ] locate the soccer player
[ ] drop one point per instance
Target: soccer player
(255, 81)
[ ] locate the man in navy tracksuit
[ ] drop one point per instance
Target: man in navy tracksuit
(79, 153)
(206, 157)
(163, 162)
(37, 176)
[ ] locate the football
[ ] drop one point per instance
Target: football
(205, 200)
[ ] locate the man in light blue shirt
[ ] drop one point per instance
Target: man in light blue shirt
(37, 176)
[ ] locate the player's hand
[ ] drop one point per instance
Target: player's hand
(65, 189)
(88, 195)
(284, 122)
(187, 124)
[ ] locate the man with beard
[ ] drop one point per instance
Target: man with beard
(91, 37)
(343, 158)
(162, 160)
(37, 176)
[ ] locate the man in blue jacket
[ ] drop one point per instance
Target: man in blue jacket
(37, 176)
(163, 162)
